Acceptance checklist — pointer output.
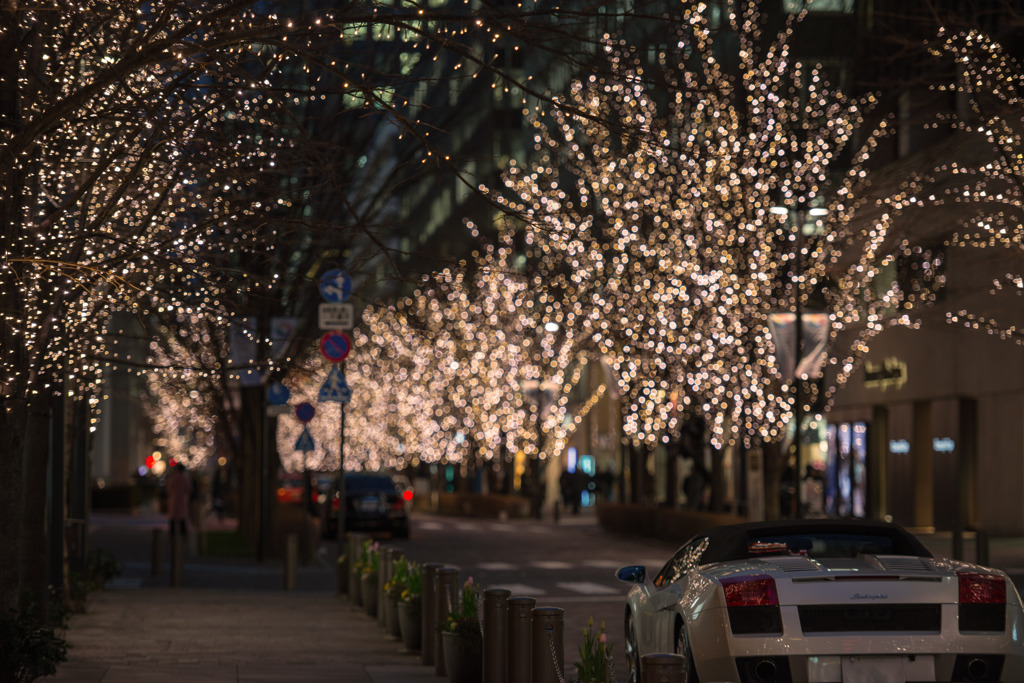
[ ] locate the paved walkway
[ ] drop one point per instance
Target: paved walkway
(233, 622)
(230, 622)
(194, 634)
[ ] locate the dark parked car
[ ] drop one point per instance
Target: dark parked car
(373, 503)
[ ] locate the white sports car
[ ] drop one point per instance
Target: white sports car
(823, 601)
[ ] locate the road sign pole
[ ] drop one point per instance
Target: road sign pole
(341, 485)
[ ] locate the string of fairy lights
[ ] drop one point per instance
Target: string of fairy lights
(647, 211)
(140, 147)
(666, 226)
(469, 368)
(990, 81)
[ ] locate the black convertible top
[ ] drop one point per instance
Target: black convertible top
(734, 542)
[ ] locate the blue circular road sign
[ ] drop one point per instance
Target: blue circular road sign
(335, 286)
(278, 394)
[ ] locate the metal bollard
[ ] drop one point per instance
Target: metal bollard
(291, 561)
(663, 668)
(391, 605)
(355, 547)
(548, 648)
(520, 628)
(446, 586)
(496, 635)
(157, 559)
(341, 567)
(428, 614)
(382, 578)
(177, 559)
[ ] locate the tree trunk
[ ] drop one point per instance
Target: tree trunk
(251, 487)
(774, 465)
(717, 481)
(13, 421)
(37, 452)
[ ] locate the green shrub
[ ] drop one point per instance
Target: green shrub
(29, 651)
(101, 566)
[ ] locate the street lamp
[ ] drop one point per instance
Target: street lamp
(800, 214)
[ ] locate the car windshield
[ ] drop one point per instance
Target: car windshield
(824, 545)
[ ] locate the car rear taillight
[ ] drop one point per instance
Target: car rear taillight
(981, 588)
(397, 504)
(982, 601)
(750, 591)
(753, 605)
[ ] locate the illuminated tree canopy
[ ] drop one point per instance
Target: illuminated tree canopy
(664, 221)
(990, 191)
(155, 164)
(473, 365)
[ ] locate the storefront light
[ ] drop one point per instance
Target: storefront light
(899, 446)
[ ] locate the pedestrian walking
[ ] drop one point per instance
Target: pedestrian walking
(179, 494)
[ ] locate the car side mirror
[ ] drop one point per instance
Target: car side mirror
(632, 574)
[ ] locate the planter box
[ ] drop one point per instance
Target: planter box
(493, 505)
(663, 523)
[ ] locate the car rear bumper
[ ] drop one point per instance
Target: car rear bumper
(839, 656)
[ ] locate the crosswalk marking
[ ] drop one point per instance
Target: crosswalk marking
(579, 591)
(496, 566)
(603, 564)
(520, 589)
(589, 588)
(551, 564)
(557, 565)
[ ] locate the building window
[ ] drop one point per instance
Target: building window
(832, 6)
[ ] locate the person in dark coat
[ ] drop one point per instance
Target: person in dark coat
(179, 494)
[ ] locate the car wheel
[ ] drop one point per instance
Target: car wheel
(683, 648)
(632, 651)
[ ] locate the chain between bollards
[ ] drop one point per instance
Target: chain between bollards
(554, 656)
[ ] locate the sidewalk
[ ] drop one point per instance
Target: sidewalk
(230, 622)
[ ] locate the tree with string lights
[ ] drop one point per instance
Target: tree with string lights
(477, 364)
(988, 192)
(663, 222)
(112, 145)
(147, 167)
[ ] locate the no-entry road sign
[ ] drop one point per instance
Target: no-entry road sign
(334, 346)
(305, 412)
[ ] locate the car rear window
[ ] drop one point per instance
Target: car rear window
(825, 545)
(370, 484)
